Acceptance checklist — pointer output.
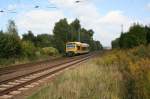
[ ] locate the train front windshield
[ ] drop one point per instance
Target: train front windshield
(70, 45)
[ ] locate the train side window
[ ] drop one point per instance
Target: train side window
(84, 48)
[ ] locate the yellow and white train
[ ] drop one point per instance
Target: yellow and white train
(76, 48)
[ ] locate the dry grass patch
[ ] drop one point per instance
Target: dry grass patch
(90, 80)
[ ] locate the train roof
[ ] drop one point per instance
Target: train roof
(85, 45)
(79, 43)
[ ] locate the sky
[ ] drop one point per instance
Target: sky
(105, 17)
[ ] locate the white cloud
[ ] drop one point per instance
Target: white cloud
(19, 6)
(107, 27)
(12, 7)
(39, 21)
(0, 14)
(114, 17)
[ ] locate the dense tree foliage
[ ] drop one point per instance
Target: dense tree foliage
(64, 32)
(140, 33)
(137, 35)
(128, 41)
(44, 40)
(115, 43)
(30, 46)
(61, 31)
(75, 30)
(12, 28)
(10, 45)
(29, 37)
(41, 40)
(147, 29)
(13, 47)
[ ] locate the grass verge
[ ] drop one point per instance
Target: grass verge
(91, 80)
(119, 74)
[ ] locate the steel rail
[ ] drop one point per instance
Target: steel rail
(71, 63)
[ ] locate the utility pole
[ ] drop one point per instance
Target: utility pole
(121, 28)
(79, 38)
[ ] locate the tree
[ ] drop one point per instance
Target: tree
(98, 45)
(134, 37)
(61, 31)
(29, 37)
(12, 28)
(75, 29)
(1, 32)
(87, 37)
(147, 34)
(10, 46)
(130, 41)
(127, 40)
(121, 40)
(44, 40)
(64, 32)
(139, 32)
(115, 43)
(76, 25)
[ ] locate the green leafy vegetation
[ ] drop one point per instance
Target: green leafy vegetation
(122, 73)
(64, 32)
(137, 35)
(134, 63)
(14, 49)
(28, 49)
(10, 46)
(50, 51)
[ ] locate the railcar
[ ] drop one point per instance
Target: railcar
(76, 48)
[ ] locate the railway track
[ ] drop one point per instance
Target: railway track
(13, 85)
(27, 69)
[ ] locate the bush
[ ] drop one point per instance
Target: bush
(28, 49)
(49, 51)
(10, 46)
(134, 65)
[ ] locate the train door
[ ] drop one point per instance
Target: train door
(78, 48)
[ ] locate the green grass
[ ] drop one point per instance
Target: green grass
(16, 61)
(91, 80)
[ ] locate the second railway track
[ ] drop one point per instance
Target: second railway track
(10, 85)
